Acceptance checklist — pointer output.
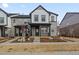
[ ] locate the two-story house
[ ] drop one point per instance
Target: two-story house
(5, 21)
(18, 24)
(41, 23)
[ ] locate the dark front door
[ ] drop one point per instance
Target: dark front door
(37, 31)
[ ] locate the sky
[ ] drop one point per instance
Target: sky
(25, 8)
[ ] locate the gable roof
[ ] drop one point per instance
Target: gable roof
(8, 14)
(4, 11)
(44, 9)
(21, 16)
(70, 18)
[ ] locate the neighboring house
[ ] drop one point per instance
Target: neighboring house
(39, 21)
(69, 26)
(19, 23)
(4, 21)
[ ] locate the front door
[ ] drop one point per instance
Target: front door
(37, 31)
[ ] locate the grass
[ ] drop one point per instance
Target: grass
(39, 47)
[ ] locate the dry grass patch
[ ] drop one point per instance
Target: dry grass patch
(39, 47)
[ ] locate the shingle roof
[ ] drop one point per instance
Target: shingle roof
(53, 13)
(21, 16)
(69, 19)
(9, 14)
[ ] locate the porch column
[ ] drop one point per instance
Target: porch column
(33, 31)
(40, 30)
(49, 30)
(3, 31)
(0, 31)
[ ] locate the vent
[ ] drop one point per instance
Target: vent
(39, 8)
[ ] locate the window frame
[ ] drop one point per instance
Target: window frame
(43, 18)
(2, 20)
(14, 20)
(36, 18)
(45, 30)
(52, 18)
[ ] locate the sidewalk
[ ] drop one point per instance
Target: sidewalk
(42, 53)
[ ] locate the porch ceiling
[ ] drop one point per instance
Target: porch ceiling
(39, 23)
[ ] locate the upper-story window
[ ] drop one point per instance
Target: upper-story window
(13, 20)
(36, 18)
(43, 17)
(1, 19)
(52, 18)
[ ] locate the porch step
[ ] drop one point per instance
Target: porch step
(36, 39)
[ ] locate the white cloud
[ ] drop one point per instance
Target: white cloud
(5, 5)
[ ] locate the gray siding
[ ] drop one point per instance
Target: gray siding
(70, 19)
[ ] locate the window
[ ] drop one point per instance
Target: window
(1, 19)
(52, 18)
(44, 30)
(43, 17)
(36, 17)
(13, 20)
(52, 30)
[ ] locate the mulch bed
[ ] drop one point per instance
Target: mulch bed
(53, 39)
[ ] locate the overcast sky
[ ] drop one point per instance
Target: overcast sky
(23, 8)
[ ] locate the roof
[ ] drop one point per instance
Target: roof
(21, 16)
(4, 11)
(44, 9)
(53, 13)
(37, 24)
(10, 14)
(70, 18)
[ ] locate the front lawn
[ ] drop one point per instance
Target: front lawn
(39, 47)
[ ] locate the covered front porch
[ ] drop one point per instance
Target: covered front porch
(40, 29)
(20, 30)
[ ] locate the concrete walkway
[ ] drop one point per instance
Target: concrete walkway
(37, 39)
(9, 41)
